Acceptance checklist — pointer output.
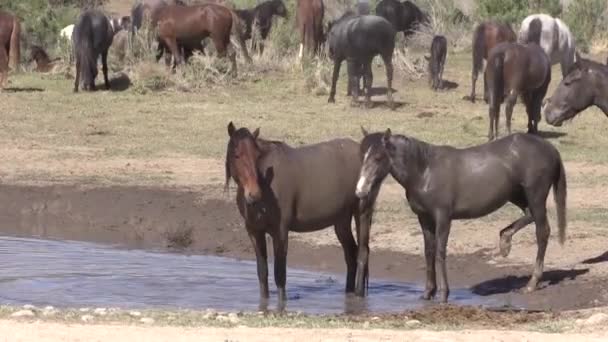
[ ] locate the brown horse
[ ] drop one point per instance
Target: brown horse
(517, 69)
(10, 30)
(487, 35)
(303, 189)
(43, 62)
(186, 26)
(309, 18)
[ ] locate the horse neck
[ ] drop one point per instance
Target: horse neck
(601, 98)
(414, 158)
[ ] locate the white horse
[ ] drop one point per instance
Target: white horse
(553, 36)
(66, 32)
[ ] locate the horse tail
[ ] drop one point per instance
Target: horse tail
(136, 17)
(237, 32)
(479, 46)
(83, 47)
(534, 31)
(15, 45)
(498, 83)
(559, 195)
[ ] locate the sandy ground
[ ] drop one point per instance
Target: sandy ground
(51, 332)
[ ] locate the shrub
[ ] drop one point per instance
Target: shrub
(585, 18)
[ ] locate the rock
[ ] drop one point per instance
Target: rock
(135, 313)
(29, 307)
(23, 313)
(597, 319)
(147, 320)
(233, 318)
(49, 311)
(87, 318)
(100, 311)
(84, 310)
(48, 308)
(413, 323)
(221, 318)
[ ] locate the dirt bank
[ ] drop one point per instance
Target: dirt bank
(168, 218)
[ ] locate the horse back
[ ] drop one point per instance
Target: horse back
(195, 20)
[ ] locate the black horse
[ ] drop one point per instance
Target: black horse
(357, 39)
(93, 34)
(585, 85)
(261, 16)
(439, 50)
(443, 183)
(405, 16)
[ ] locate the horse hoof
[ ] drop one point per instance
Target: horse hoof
(530, 288)
(505, 247)
(428, 295)
(331, 100)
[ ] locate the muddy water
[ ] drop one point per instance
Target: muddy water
(77, 274)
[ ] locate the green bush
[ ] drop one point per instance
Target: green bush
(585, 18)
(514, 11)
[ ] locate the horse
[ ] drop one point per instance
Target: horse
(66, 32)
(358, 39)
(405, 16)
(487, 35)
(303, 189)
(261, 15)
(516, 69)
(585, 85)
(553, 35)
(10, 32)
(439, 48)
(309, 19)
(92, 37)
(43, 62)
(145, 11)
(444, 183)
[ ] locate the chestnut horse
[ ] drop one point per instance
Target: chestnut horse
(186, 26)
(10, 30)
(309, 18)
(487, 35)
(43, 62)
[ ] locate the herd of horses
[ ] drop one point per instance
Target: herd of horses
(282, 188)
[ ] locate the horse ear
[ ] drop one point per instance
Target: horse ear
(364, 131)
(256, 133)
(386, 138)
(427, 58)
(231, 129)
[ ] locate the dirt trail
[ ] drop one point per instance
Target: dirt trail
(50, 332)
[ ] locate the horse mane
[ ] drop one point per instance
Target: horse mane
(415, 149)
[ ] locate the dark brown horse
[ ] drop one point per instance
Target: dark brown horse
(513, 70)
(585, 85)
(10, 30)
(443, 183)
(187, 26)
(304, 189)
(439, 50)
(309, 18)
(486, 36)
(43, 62)
(259, 19)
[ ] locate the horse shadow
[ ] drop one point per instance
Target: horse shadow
(550, 134)
(22, 90)
(598, 259)
(514, 283)
(448, 85)
(376, 104)
(379, 91)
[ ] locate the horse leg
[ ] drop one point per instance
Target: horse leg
(368, 78)
(509, 104)
(543, 230)
(345, 236)
(493, 114)
(430, 248)
(77, 78)
(365, 211)
(388, 64)
(104, 68)
(334, 80)
(473, 81)
(528, 99)
(442, 232)
(280, 243)
(258, 240)
(485, 91)
(353, 67)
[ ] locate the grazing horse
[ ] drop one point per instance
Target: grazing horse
(443, 183)
(261, 16)
(439, 49)
(10, 32)
(92, 37)
(517, 69)
(43, 62)
(303, 189)
(309, 19)
(357, 39)
(585, 85)
(553, 35)
(486, 36)
(405, 16)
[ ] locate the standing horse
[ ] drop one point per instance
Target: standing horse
(405, 16)
(10, 32)
(585, 85)
(357, 39)
(486, 36)
(443, 183)
(553, 35)
(43, 62)
(261, 16)
(304, 189)
(92, 37)
(439, 49)
(66, 32)
(144, 12)
(309, 19)
(517, 69)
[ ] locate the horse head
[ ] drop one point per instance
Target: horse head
(280, 9)
(376, 163)
(242, 154)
